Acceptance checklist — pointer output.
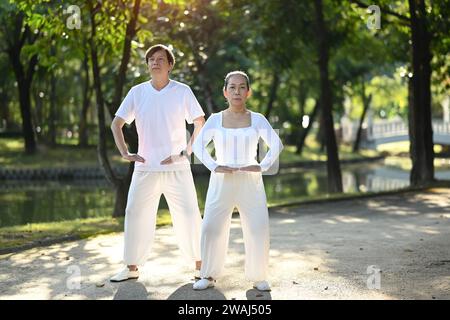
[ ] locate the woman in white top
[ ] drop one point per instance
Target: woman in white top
(236, 181)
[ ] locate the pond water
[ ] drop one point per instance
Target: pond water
(23, 202)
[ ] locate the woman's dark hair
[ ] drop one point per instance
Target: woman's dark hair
(233, 73)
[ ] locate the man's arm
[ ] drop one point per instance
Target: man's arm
(198, 124)
(119, 139)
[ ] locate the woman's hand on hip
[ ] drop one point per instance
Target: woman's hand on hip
(254, 168)
(225, 169)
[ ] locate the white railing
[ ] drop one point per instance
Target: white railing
(441, 127)
(384, 129)
(389, 129)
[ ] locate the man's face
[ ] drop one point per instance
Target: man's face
(158, 64)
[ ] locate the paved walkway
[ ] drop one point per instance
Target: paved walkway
(330, 250)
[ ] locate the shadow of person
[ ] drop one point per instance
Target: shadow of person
(186, 292)
(131, 290)
(254, 294)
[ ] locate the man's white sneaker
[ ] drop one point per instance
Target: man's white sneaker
(125, 274)
(262, 286)
(203, 284)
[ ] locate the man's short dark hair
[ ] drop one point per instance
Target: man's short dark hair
(157, 47)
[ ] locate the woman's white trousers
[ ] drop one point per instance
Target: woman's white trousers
(245, 191)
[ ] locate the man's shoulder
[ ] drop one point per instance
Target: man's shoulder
(139, 86)
(179, 84)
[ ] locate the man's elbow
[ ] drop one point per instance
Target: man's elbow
(116, 124)
(199, 122)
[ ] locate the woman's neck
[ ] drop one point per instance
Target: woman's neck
(237, 109)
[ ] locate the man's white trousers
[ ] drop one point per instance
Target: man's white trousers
(142, 206)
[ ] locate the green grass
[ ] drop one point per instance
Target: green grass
(12, 156)
(17, 236)
(401, 148)
(406, 164)
(311, 152)
(294, 201)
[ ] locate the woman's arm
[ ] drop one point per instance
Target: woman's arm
(205, 135)
(198, 125)
(272, 139)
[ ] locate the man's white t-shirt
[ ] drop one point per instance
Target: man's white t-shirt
(160, 122)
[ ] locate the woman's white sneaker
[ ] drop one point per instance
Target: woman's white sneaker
(262, 286)
(125, 274)
(203, 284)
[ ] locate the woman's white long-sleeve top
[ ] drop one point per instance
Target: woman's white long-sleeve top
(237, 147)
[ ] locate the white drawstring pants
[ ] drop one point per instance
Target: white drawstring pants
(244, 190)
(140, 219)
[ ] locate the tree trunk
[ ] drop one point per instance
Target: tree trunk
(121, 186)
(121, 190)
(24, 86)
(302, 95)
(4, 110)
(366, 100)
(126, 54)
(421, 132)
(101, 148)
(37, 113)
(202, 78)
(273, 93)
(304, 133)
(83, 140)
(334, 177)
(24, 79)
(52, 125)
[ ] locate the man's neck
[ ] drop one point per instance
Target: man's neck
(159, 83)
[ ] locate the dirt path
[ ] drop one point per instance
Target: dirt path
(318, 251)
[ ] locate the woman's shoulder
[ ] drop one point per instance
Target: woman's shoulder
(214, 117)
(259, 118)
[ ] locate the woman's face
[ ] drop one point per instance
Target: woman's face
(236, 91)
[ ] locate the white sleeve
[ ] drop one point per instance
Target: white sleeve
(205, 135)
(192, 108)
(127, 108)
(271, 138)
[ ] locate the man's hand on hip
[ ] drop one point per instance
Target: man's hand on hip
(175, 158)
(133, 157)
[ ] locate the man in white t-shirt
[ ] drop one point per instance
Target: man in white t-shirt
(160, 108)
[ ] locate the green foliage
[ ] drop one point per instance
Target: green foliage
(211, 38)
